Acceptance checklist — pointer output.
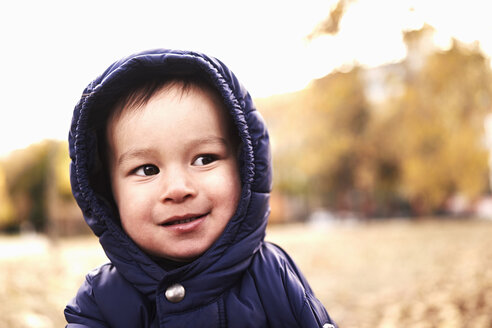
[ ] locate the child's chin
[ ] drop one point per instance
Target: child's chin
(183, 256)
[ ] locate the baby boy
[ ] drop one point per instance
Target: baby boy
(171, 168)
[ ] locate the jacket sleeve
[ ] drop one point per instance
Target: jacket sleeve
(82, 311)
(304, 306)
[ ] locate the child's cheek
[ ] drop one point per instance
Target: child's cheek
(135, 201)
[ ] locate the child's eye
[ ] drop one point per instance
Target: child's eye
(204, 160)
(146, 170)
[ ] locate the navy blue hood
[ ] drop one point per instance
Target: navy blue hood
(232, 252)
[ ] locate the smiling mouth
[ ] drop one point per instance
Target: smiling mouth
(183, 221)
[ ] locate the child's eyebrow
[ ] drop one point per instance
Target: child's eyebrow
(135, 153)
(209, 140)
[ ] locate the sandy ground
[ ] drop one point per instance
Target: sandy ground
(395, 273)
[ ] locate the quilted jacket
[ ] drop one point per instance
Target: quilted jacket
(240, 281)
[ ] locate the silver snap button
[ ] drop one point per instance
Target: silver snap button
(175, 293)
(328, 325)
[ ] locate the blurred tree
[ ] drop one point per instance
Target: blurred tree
(27, 178)
(287, 120)
(419, 146)
(35, 178)
(439, 120)
(331, 24)
(7, 211)
(61, 171)
(318, 138)
(335, 142)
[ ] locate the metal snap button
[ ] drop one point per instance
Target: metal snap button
(175, 293)
(328, 325)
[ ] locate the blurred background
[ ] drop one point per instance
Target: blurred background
(379, 113)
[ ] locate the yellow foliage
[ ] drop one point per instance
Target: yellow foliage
(61, 168)
(7, 211)
(422, 145)
(35, 180)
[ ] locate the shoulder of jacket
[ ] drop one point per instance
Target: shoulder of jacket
(279, 275)
(273, 262)
(103, 271)
(275, 257)
(105, 280)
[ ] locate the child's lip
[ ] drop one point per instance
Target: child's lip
(182, 219)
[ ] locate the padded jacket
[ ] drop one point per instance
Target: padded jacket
(240, 281)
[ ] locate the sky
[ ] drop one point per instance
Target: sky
(52, 49)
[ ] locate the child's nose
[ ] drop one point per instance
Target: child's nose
(177, 187)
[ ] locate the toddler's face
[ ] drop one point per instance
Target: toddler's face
(174, 173)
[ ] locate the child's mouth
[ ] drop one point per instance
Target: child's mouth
(183, 221)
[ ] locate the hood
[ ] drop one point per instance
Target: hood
(224, 262)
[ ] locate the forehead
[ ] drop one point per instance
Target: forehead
(193, 110)
(196, 97)
(137, 97)
(134, 97)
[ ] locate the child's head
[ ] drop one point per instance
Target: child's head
(172, 161)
